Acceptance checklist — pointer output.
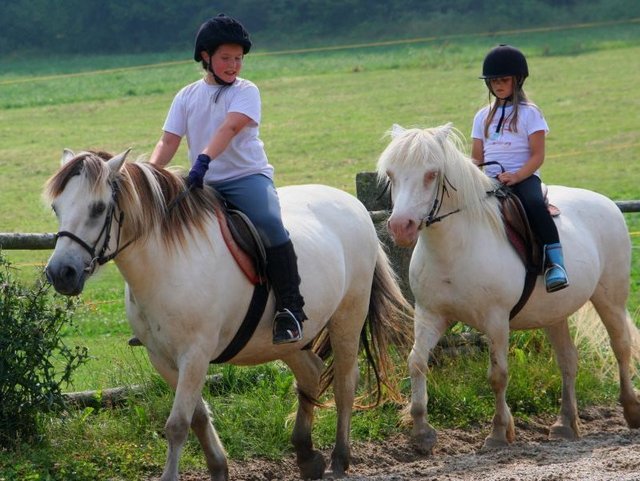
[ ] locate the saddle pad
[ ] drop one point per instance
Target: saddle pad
(247, 261)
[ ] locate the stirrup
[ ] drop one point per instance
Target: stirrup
(558, 282)
(286, 327)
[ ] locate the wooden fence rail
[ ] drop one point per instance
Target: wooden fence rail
(10, 241)
(15, 241)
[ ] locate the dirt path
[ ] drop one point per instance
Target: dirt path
(608, 450)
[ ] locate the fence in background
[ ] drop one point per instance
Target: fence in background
(370, 193)
(375, 199)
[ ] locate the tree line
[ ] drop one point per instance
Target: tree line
(46, 27)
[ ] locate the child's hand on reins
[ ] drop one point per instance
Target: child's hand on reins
(508, 178)
(197, 172)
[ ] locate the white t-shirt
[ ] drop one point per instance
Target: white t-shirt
(195, 114)
(509, 148)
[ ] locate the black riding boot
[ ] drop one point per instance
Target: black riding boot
(282, 271)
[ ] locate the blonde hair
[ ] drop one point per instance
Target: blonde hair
(517, 98)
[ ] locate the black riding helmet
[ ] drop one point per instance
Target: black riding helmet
(217, 31)
(505, 61)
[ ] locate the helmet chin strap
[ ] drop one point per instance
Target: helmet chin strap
(219, 81)
(223, 83)
(504, 105)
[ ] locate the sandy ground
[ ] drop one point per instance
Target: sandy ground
(608, 450)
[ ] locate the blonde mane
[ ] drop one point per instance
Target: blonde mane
(144, 193)
(441, 149)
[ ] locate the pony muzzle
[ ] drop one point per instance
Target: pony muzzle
(65, 278)
(404, 232)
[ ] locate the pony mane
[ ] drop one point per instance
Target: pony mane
(442, 149)
(145, 193)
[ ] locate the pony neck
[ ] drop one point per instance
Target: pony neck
(466, 204)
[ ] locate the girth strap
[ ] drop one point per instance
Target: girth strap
(529, 284)
(248, 326)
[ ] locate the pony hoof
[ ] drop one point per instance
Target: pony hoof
(633, 422)
(491, 444)
(335, 474)
(424, 442)
(562, 433)
(632, 415)
(313, 467)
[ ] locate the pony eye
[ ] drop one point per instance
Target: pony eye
(97, 209)
(430, 177)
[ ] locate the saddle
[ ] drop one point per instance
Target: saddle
(244, 243)
(522, 238)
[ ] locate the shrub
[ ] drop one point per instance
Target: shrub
(34, 361)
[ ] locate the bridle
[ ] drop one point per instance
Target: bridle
(433, 217)
(100, 257)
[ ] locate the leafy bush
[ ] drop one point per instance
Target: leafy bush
(34, 361)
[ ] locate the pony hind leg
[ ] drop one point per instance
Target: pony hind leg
(567, 423)
(625, 342)
(307, 368)
(428, 330)
(345, 345)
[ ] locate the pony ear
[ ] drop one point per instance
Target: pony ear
(67, 155)
(442, 133)
(396, 130)
(117, 161)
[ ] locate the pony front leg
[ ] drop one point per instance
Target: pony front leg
(210, 442)
(191, 375)
(428, 331)
(503, 432)
(566, 425)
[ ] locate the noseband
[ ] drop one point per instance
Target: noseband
(100, 258)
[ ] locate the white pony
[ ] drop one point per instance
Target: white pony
(186, 296)
(464, 269)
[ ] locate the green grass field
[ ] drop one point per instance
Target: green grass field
(325, 115)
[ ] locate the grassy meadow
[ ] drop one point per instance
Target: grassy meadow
(325, 114)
